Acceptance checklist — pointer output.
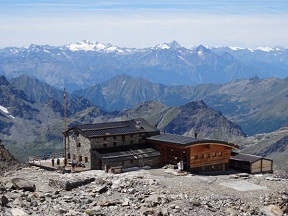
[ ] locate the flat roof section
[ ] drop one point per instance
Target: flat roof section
(124, 153)
(246, 157)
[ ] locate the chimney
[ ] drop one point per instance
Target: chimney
(195, 135)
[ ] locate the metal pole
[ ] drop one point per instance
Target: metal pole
(65, 125)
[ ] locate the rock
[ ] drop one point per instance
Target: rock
(2, 188)
(195, 202)
(164, 211)
(231, 212)
(109, 202)
(61, 169)
(18, 212)
(285, 197)
(272, 210)
(94, 211)
(4, 200)
(102, 189)
(153, 200)
(146, 211)
(22, 184)
(125, 202)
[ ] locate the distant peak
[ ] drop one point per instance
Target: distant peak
(171, 45)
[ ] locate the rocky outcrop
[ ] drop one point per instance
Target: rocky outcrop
(7, 161)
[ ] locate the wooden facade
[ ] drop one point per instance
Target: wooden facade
(196, 154)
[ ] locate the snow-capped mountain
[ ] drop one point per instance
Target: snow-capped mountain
(86, 45)
(84, 63)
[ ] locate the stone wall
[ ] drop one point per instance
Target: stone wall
(151, 161)
(79, 149)
(112, 141)
(69, 185)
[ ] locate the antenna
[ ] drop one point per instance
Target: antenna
(65, 127)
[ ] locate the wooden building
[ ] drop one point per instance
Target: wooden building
(103, 145)
(251, 163)
(196, 154)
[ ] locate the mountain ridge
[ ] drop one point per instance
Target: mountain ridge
(167, 63)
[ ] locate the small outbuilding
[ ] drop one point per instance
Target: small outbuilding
(250, 163)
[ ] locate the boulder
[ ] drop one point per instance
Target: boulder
(4, 201)
(272, 210)
(22, 184)
(18, 212)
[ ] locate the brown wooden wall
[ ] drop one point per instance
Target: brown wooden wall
(209, 157)
(202, 157)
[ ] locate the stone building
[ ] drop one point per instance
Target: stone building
(105, 145)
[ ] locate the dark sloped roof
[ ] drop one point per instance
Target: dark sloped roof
(184, 140)
(124, 153)
(246, 157)
(115, 128)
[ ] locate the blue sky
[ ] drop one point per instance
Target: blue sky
(145, 23)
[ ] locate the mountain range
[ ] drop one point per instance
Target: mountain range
(85, 63)
(30, 124)
(257, 105)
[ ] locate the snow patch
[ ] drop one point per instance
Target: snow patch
(264, 49)
(236, 48)
(123, 82)
(4, 109)
(200, 53)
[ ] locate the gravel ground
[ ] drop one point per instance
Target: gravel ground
(146, 192)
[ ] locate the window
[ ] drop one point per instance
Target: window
(105, 138)
(86, 159)
(195, 157)
(131, 161)
(131, 135)
(69, 156)
(74, 157)
(79, 144)
(105, 145)
(131, 142)
(114, 144)
(114, 137)
(220, 153)
(123, 137)
(80, 158)
(202, 156)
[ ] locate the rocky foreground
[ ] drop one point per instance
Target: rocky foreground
(33, 191)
